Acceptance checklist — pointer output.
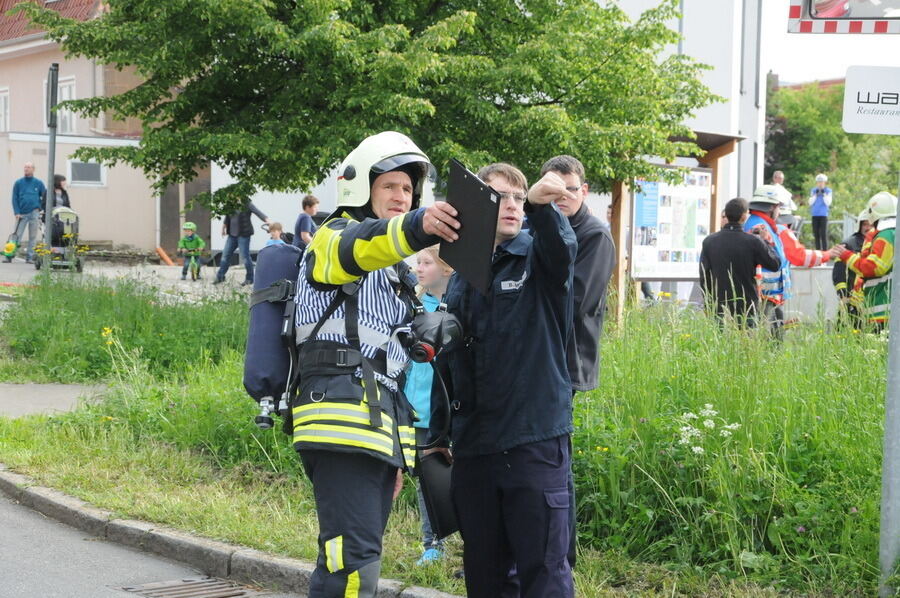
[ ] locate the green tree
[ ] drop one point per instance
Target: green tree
(278, 91)
(804, 137)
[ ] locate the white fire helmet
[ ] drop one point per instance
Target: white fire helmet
(376, 155)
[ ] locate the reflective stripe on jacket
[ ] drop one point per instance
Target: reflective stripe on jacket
(874, 267)
(796, 253)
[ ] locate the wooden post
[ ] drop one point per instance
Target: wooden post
(621, 217)
(713, 159)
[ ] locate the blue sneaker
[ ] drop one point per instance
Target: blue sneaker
(430, 555)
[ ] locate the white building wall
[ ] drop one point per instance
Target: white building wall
(283, 207)
(724, 34)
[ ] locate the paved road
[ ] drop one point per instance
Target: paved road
(41, 558)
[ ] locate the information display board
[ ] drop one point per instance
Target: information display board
(668, 225)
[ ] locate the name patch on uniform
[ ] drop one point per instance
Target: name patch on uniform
(513, 285)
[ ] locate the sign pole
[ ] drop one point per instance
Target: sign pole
(868, 109)
(50, 197)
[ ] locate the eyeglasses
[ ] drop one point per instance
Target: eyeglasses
(516, 197)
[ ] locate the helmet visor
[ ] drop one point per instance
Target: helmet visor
(425, 168)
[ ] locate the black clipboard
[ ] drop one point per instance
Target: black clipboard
(478, 207)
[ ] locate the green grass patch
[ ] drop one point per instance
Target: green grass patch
(710, 461)
(59, 323)
(105, 463)
(725, 451)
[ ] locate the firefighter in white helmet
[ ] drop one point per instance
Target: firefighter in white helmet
(351, 427)
(874, 264)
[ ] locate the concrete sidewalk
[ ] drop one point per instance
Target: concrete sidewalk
(17, 400)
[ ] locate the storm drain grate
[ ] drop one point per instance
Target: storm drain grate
(196, 587)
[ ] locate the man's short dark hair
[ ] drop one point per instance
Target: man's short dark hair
(310, 201)
(564, 164)
(735, 209)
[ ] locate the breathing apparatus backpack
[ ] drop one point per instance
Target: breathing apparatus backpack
(270, 335)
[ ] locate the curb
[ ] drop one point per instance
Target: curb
(218, 559)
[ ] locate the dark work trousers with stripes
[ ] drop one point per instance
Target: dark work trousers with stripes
(513, 508)
(353, 495)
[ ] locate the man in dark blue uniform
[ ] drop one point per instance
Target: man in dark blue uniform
(510, 432)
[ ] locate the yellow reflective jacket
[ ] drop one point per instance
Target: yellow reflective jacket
(331, 412)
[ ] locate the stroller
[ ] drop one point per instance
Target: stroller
(64, 251)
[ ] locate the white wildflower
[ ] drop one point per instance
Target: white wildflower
(725, 433)
(733, 426)
(708, 423)
(708, 411)
(698, 450)
(689, 415)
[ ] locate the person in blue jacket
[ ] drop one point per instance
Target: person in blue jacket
(27, 201)
(820, 198)
(432, 274)
(512, 397)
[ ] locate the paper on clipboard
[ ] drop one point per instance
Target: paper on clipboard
(477, 206)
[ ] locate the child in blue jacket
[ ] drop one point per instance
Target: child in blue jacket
(433, 274)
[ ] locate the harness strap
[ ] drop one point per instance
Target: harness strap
(369, 382)
(280, 290)
(333, 357)
(339, 298)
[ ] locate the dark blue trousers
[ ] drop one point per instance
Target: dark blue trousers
(513, 508)
(353, 495)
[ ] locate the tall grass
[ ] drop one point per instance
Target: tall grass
(724, 450)
(705, 453)
(59, 321)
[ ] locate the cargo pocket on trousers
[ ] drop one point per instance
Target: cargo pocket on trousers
(557, 525)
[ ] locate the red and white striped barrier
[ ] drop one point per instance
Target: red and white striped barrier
(799, 21)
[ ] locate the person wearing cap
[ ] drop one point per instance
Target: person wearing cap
(819, 204)
(775, 283)
(874, 264)
(844, 279)
(351, 426)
